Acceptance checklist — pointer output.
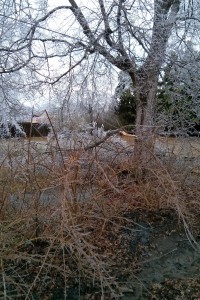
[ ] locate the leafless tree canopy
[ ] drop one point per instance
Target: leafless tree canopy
(132, 36)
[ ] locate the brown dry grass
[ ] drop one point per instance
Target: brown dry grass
(62, 211)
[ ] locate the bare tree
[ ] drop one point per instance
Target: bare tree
(112, 44)
(130, 35)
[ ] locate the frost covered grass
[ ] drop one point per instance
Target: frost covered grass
(63, 208)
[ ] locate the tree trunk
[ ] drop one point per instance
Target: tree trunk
(146, 88)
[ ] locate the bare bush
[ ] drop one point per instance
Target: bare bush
(61, 218)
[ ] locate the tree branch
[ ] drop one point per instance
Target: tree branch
(101, 141)
(122, 61)
(165, 13)
(108, 30)
(82, 21)
(70, 69)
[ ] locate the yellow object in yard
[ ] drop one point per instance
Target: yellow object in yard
(124, 133)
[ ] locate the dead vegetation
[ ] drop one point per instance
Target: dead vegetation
(63, 210)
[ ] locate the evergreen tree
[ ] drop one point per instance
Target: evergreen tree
(126, 108)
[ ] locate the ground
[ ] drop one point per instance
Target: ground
(154, 259)
(165, 265)
(96, 226)
(169, 263)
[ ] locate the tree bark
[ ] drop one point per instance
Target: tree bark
(146, 88)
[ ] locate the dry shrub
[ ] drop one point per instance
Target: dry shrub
(62, 210)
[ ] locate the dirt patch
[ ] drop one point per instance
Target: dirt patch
(154, 260)
(169, 263)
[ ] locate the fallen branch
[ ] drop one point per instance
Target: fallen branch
(101, 141)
